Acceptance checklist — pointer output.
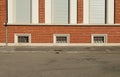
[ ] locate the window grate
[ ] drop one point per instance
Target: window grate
(23, 39)
(61, 39)
(99, 39)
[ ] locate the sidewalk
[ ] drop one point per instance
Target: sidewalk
(62, 49)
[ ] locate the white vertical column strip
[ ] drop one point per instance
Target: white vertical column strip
(10, 11)
(110, 11)
(35, 11)
(86, 11)
(48, 11)
(73, 11)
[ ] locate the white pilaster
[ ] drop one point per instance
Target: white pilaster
(35, 11)
(10, 11)
(73, 11)
(86, 12)
(110, 11)
(48, 10)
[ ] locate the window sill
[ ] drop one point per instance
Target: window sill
(42, 24)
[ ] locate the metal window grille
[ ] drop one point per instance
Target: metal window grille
(23, 39)
(61, 39)
(99, 39)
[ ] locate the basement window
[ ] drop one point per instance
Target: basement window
(61, 38)
(22, 38)
(99, 38)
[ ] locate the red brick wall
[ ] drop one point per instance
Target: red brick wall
(78, 34)
(117, 11)
(42, 11)
(80, 11)
(2, 20)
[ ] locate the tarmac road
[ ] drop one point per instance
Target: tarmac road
(59, 65)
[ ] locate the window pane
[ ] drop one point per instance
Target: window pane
(60, 12)
(99, 39)
(61, 39)
(22, 11)
(23, 39)
(97, 11)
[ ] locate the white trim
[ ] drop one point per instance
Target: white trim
(86, 12)
(14, 11)
(52, 11)
(65, 24)
(35, 11)
(104, 35)
(73, 11)
(48, 11)
(10, 11)
(67, 35)
(70, 44)
(20, 34)
(110, 11)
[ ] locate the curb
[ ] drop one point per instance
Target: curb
(59, 52)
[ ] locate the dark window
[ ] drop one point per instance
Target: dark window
(23, 39)
(61, 39)
(99, 39)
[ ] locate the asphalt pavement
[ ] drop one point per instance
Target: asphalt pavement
(59, 65)
(60, 61)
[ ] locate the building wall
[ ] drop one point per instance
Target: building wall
(42, 11)
(80, 11)
(2, 20)
(117, 11)
(78, 34)
(44, 33)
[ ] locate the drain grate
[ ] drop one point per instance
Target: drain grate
(58, 51)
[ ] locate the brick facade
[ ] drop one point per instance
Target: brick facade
(44, 33)
(78, 34)
(117, 11)
(80, 11)
(2, 20)
(42, 11)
